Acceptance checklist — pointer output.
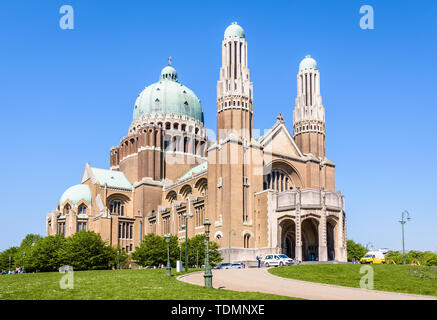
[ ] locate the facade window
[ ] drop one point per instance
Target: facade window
(60, 228)
(66, 210)
(199, 215)
(82, 209)
(166, 225)
(81, 226)
(246, 240)
(117, 207)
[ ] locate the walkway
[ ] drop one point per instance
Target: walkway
(260, 280)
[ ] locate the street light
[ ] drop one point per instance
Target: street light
(208, 274)
(403, 222)
(24, 257)
(186, 239)
(118, 259)
(167, 240)
(10, 264)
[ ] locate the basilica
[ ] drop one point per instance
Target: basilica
(273, 193)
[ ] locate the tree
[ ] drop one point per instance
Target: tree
(29, 240)
(197, 245)
(121, 259)
(431, 260)
(153, 251)
(85, 250)
(355, 250)
(4, 258)
(45, 255)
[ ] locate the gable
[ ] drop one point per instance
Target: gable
(279, 141)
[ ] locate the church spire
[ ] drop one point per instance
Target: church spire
(309, 113)
(234, 89)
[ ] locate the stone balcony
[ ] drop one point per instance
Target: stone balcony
(309, 199)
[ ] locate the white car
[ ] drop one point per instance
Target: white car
(277, 260)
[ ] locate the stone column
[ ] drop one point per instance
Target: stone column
(323, 248)
(298, 250)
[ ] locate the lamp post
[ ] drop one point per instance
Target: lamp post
(197, 259)
(118, 259)
(208, 274)
(167, 240)
(405, 214)
(10, 264)
(24, 257)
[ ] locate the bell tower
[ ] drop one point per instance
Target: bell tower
(309, 113)
(234, 89)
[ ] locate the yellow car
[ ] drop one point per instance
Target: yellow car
(373, 257)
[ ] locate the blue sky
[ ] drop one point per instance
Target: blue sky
(67, 96)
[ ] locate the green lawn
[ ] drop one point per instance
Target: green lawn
(143, 284)
(395, 278)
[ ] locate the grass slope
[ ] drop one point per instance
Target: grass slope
(114, 285)
(394, 278)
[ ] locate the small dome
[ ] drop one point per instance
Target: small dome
(168, 95)
(77, 193)
(234, 30)
(308, 63)
(169, 73)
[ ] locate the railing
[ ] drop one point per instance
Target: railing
(309, 198)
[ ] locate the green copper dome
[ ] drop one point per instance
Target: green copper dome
(234, 30)
(77, 193)
(308, 63)
(168, 95)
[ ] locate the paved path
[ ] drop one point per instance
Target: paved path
(260, 280)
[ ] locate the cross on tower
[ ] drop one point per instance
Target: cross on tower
(169, 61)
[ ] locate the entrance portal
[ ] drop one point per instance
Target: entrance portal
(310, 240)
(288, 238)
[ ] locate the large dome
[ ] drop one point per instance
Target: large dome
(168, 95)
(234, 30)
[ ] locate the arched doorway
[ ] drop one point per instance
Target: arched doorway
(288, 238)
(310, 240)
(330, 238)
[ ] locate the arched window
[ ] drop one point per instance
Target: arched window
(66, 210)
(116, 207)
(185, 191)
(82, 209)
(246, 240)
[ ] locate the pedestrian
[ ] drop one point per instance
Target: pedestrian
(3, 271)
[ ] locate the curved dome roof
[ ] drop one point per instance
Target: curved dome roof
(77, 193)
(234, 30)
(168, 95)
(308, 63)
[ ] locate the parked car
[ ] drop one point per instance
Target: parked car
(277, 260)
(373, 257)
(223, 266)
(239, 265)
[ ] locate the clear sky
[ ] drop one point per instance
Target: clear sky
(67, 96)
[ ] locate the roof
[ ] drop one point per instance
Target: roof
(195, 170)
(115, 179)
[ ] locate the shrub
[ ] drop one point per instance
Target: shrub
(355, 250)
(153, 251)
(197, 245)
(85, 250)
